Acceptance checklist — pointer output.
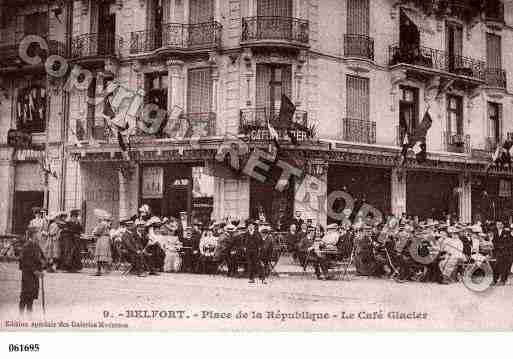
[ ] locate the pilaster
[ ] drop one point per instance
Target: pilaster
(398, 191)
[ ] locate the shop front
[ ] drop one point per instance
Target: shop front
(172, 188)
(491, 198)
(432, 194)
(366, 185)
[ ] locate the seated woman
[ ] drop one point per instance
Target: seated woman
(207, 247)
(166, 236)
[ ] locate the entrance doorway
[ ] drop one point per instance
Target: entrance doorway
(24, 201)
(179, 187)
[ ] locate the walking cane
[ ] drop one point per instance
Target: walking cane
(43, 294)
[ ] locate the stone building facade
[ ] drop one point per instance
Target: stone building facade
(352, 68)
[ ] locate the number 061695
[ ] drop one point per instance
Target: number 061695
(13, 348)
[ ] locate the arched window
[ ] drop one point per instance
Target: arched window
(31, 109)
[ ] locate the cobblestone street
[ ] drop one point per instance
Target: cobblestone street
(156, 302)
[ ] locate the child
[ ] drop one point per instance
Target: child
(31, 265)
(102, 255)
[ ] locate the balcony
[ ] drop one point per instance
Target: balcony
(360, 46)
(456, 142)
(197, 125)
(253, 122)
(496, 78)
(361, 131)
(10, 59)
(275, 30)
(95, 46)
(432, 61)
(177, 38)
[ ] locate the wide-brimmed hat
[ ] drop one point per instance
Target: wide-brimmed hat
(102, 214)
(230, 228)
(126, 221)
(74, 212)
(332, 226)
(144, 208)
(265, 229)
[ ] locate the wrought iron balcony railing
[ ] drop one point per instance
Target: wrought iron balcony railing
(279, 28)
(354, 130)
(437, 60)
(197, 124)
(177, 36)
(254, 120)
(359, 46)
(456, 142)
(9, 54)
(259, 117)
(496, 78)
(91, 45)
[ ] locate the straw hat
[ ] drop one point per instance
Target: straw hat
(101, 214)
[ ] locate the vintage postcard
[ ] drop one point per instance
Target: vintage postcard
(230, 165)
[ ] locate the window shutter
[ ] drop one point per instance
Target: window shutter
(357, 106)
(263, 88)
(274, 8)
(358, 14)
(201, 11)
(199, 90)
(493, 51)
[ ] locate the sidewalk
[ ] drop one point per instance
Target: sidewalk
(287, 267)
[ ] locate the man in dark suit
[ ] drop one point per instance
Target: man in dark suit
(503, 253)
(297, 220)
(253, 245)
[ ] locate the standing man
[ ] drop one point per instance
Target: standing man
(503, 253)
(232, 249)
(297, 220)
(267, 251)
(71, 233)
(253, 245)
(53, 245)
(31, 266)
(39, 223)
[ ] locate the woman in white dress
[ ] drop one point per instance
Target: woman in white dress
(166, 236)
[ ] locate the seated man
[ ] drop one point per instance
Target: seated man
(452, 246)
(132, 247)
(304, 245)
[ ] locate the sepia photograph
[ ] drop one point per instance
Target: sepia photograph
(255, 166)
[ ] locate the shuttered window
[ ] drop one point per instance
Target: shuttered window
(199, 90)
(358, 104)
(272, 81)
(358, 17)
(495, 122)
(201, 11)
(274, 8)
(36, 24)
(493, 51)
(454, 114)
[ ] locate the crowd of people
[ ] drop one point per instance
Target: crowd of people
(398, 248)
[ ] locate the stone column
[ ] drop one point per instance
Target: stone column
(125, 174)
(465, 197)
(299, 80)
(398, 191)
(175, 93)
(215, 100)
(7, 172)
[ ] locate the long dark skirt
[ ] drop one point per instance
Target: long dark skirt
(29, 286)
